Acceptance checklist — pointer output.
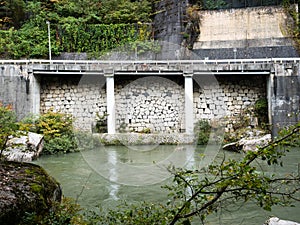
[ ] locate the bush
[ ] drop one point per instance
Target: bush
(261, 111)
(140, 213)
(8, 125)
(101, 124)
(65, 213)
(57, 129)
(203, 130)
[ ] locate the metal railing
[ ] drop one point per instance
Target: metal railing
(151, 62)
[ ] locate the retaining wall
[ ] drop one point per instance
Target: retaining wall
(254, 32)
(15, 89)
(150, 103)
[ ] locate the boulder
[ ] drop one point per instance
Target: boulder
(252, 144)
(25, 187)
(277, 221)
(233, 147)
(24, 148)
(248, 144)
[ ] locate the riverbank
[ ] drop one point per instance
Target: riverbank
(145, 139)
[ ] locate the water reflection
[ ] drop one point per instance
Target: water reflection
(75, 175)
(113, 175)
(123, 165)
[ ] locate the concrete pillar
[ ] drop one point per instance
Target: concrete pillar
(35, 93)
(188, 93)
(110, 102)
(270, 96)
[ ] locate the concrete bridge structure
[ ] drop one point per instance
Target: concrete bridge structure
(21, 81)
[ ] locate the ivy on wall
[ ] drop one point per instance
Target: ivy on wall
(68, 37)
(292, 28)
(92, 26)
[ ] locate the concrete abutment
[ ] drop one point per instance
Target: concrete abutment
(158, 101)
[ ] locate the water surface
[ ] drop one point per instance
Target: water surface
(108, 174)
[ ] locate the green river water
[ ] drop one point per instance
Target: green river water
(106, 175)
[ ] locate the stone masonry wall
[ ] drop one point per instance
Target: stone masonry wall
(83, 98)
(154, 104)
(231, 96)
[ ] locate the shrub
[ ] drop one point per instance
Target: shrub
(101, 124)
(65, 213)
(8, 125)
(146, 130)
(261, 111)
(139, 213)
(57, 129)
(203, 130)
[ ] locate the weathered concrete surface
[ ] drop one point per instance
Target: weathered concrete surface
(285, 101)
(248, 27)
(254, 32)
(24, 188)
(14, 88)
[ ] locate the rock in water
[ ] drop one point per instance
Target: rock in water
(248, 144)
(25, 187)
(24, 148)
(277, 221)
(254, 143)
(233, 147)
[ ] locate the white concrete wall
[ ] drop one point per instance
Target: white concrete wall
(241, 28)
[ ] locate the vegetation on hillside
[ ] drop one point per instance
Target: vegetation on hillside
(92, 26)
(76, 25)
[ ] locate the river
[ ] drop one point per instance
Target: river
(103, 176)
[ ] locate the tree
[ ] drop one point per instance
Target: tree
(8, 126)
(12, 13)
(201, 192)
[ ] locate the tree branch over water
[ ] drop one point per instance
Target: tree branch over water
(201, 192)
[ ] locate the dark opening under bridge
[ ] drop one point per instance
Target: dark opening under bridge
(282, 74)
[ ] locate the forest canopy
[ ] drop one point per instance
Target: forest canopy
(76, 25)
(90, 26)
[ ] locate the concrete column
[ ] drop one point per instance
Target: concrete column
(110, 102)
(188, 92)
(35, 93)
(270, 96)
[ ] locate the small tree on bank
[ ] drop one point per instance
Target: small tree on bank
(202, 192)
(8, 126)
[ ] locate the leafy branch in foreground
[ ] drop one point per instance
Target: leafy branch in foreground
(201, 192)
